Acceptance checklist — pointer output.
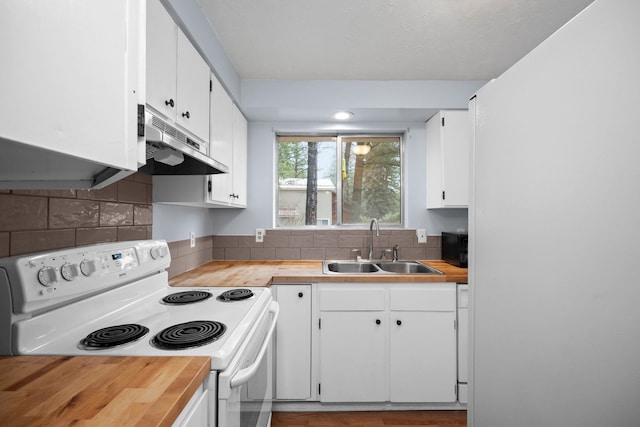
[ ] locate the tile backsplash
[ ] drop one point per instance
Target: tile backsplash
(323, 244)
(298, 245)
(39, 220)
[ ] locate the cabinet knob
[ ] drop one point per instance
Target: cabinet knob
(398, 322)
(169, 103)
(186, 114)
(378, 321)
(300, 294)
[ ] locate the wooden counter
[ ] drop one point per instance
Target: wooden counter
(264, 273)
(97, 390)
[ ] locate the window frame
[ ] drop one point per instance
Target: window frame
(339, 202)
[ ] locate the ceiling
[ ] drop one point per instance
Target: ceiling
(383, 39)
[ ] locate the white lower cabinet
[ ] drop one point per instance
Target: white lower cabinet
(387, 342)
(422, 351)
(293, 342)
(353, 356)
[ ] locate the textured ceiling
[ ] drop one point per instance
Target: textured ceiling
(383, 39)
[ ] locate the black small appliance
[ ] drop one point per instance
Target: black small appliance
(455, 248)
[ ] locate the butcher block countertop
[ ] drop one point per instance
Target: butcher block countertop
(264, 273)
(97, 390)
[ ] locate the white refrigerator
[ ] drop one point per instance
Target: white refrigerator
(554, 226)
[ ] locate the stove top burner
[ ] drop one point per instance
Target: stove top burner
(190, 334)
(235, 295)
(186, 297)
(113, 336)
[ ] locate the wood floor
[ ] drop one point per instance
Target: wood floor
(370, 419)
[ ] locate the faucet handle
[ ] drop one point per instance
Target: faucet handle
(358, 253)
(395, 253)
(383, 254)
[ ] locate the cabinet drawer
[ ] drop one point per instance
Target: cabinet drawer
(352, 299)
(434, 298)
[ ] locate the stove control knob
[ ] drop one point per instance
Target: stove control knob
(88, 267)
(47, 276)
(159, 252)
(69, 271)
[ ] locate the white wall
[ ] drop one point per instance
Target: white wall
(173, 223)
(260, 209)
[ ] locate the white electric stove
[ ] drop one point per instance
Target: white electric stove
(114, 299)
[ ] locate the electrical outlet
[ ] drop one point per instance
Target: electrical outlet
(260, 235)
(422, 235)
(192, 239)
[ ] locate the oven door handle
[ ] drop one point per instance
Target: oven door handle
(244, 375)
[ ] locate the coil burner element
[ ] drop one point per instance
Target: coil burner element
(113, 336)
(186, 297)
(235, 295)
(190, 334)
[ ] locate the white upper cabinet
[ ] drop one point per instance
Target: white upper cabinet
(225, 190)
(239, 171)
(71, 81)
(230, 189)
(448, 163)
(192, 89)
(221, 136)
(221, 125)
(162, 45)
(177, 76)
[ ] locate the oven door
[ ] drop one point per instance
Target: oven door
(245, 388)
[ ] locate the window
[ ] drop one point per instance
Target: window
(313, 190)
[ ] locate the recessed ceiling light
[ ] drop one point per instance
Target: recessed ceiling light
(343, 115)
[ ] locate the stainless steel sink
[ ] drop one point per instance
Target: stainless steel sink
(407, 267)
(349, 267)
(377, 267)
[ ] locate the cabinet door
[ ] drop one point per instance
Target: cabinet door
(456, 143)
(239, 169)
(161, 60)
(221, 123)
(69, 69)
(353, 356)
(192, 89)
(221, 188)
(435, 186)
(422, 356)
(448, 162)
(293, 342)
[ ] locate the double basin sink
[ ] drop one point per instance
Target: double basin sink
(377, 267)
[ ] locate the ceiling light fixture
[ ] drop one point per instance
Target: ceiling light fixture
(343, 115)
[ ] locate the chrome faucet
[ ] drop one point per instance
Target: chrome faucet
(373, 221)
